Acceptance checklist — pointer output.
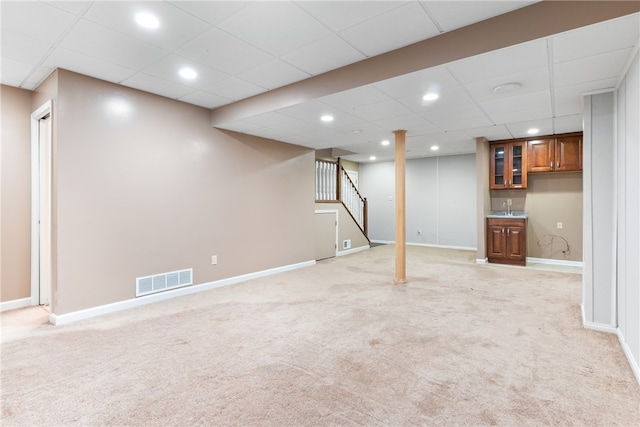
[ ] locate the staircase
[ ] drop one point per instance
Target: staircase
(334, 185)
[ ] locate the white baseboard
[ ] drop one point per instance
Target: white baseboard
(555, 261)
(427, 245)
(63, 319)
(353, 250)
(15, 304)
(482, 260)
(627, 352)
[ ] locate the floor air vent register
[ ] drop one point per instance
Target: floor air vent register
(163, 282)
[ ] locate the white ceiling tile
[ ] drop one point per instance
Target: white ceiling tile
(323, 55)
(459, 118)
(502, 62)
(569, 99)
(270, 25)
(176, 26)
(598, 67)
(492, 133)
(35, 19)
(238, 126)
(312, 111)
(533, 80)
(205, 99)
(224, 52)
(102, 43)
(213, 12)
(358, 97)
(451, 96)
(520, 129)
(273, 74)
(565, 124)
(596, 39)
(382, 110)
(339, 15)
(399, 27)
(14, 70)
(77, 7)
(158, 86)
(234, 88)
(297, 127)
(168, 68)
(21, 48)
(419, 82)
(469, 12)
(270, 133)
(524, 102)
(413, 124)
(84, 64)
(521, 116)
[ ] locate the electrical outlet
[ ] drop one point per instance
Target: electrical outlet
(559, 226)
(214, 259)
(419, 231)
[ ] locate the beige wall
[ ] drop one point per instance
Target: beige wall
(550, 198)
(15, 193)
(145, 185)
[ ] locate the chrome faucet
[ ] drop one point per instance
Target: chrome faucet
(505, 204)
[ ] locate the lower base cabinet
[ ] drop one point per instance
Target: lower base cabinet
(507, 241)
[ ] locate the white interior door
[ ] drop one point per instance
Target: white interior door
(44, 137)
(326, 234)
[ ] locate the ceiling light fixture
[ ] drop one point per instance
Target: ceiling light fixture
(434, 148)
(147, 20)
(431, 96)
(533, 131)
(327, 118)
(188, 73)
(507, 87)
(385, 142)
(372, 158)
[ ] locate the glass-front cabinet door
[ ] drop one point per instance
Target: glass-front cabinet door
(498, 166)
(508, 168)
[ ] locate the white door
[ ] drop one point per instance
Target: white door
(326, 234)
(44, 137)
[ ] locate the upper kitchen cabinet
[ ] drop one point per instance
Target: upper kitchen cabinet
(559, 153)
(508, 168)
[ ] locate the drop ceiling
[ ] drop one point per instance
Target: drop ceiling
(246, 49)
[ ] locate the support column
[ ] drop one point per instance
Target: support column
(401, 229)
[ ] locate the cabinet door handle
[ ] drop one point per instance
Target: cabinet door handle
(558, 164)
(503, 231)
(550, 165)
(508, 231)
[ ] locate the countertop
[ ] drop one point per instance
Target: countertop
(511, 215)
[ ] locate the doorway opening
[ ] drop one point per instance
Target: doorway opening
(41, 212)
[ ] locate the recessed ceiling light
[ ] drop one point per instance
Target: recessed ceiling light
(327, 118)
(147, 20)
(507, 87)
(434, 148)
(385, 142)
(533, 131)
(356, 130)
(188, 73)
(372, 157)
(431, 96)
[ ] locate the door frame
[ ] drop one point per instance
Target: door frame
(39, 114)
(331, 211)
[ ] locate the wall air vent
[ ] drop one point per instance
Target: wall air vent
(163, 282)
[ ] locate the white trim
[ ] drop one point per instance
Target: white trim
(627, 65)
(63, 319)
(482, 260)
(596, 326)
(427, 245)
(15, 304)
(555, 262)
(353, 250)
(627, 352)
(38, 114)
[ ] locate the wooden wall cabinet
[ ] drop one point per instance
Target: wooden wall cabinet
(562, 153)
(507, 241)
(508, 168)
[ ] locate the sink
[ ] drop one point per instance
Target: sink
(504, 214)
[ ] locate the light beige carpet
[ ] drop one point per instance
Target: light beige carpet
(333, 344)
